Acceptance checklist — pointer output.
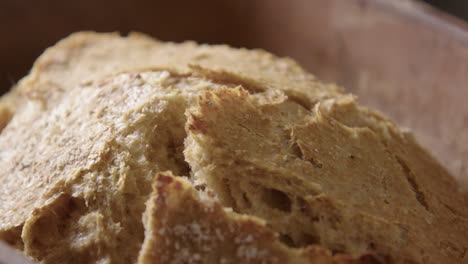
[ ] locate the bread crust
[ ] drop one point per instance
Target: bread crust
(291, 168)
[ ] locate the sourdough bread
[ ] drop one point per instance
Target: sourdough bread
(127, 149)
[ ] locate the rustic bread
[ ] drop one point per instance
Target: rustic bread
(123, 150)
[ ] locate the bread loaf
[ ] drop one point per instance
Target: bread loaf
(130, 150)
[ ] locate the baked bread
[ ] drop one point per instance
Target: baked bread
(126, 149)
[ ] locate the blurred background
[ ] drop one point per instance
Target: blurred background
(402, 57)
(28, 27)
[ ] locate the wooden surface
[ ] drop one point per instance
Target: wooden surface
(404, 59)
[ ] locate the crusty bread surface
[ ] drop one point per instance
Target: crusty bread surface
(131, 150)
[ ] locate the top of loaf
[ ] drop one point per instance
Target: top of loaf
(127, 149)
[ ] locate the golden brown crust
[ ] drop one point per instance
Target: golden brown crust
(87, 56)
(270, 155)
(341, 177)
(77, 189)
(183, 228)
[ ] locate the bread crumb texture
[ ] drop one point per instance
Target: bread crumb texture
(130, 150)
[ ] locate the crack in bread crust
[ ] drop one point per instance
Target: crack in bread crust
(342, 169)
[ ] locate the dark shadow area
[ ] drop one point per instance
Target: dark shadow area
(458, 8)
(28, 27)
